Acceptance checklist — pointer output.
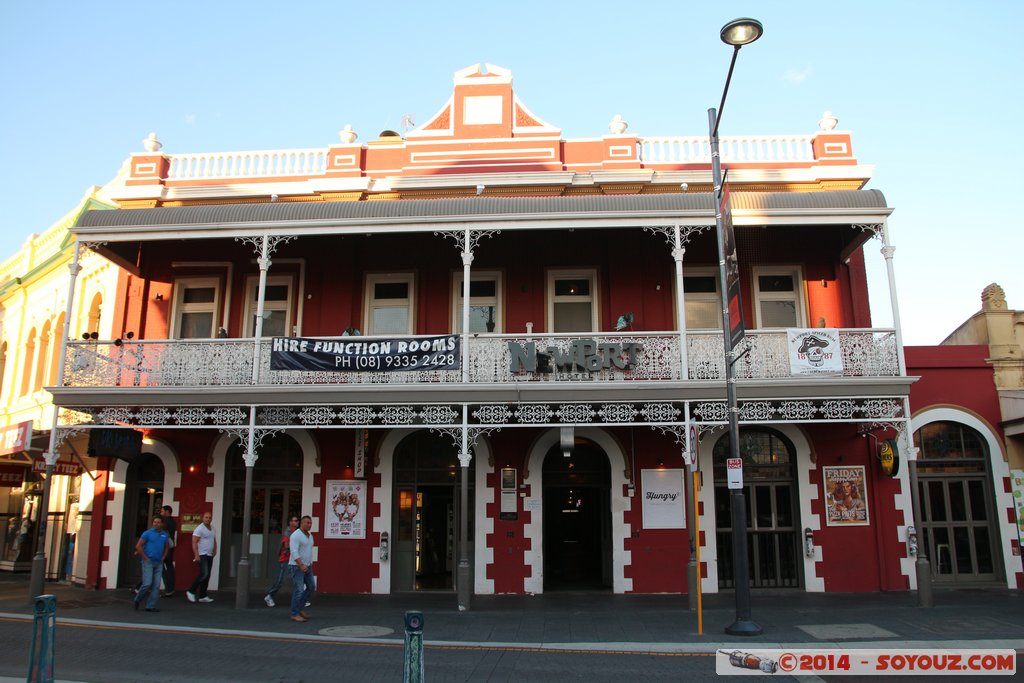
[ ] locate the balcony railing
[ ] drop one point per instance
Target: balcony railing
(734, 149)
(228, 362)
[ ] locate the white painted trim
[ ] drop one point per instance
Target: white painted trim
(1000, 470)
(620, 504)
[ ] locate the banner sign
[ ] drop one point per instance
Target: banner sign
(60, 467)
(12, 475)
(732, 268)
(1017, 486)
(369, 354)
(663, 503)
(346, 509)
(16, 438)
(814, 352)
(846, 495)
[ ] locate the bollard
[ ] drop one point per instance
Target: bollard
(413, 647)
(40, 656)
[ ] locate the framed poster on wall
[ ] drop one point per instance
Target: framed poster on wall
(846, 495)
(663, 505)
(346, 509)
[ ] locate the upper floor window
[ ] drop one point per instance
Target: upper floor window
(196, 307)
(277, 306)
(778, 297)
(485, 296)
(390, 304)
(703, 303)
(572, 300)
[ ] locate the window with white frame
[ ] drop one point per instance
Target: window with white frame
(390, 304)
(572, 300)
(196, 308)
(778, 297)
(701, 298)
(485, 296)
(277, 306)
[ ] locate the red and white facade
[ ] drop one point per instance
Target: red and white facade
(592, 352)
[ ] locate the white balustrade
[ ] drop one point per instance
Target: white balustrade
(734, 149)
(258, 164)
(228, 362)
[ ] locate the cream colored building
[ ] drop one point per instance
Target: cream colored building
(34, 287)
(1002, 330)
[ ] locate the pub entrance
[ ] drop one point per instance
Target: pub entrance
(276, 497)
(577, 519)
(427, 485)
(957, 504)
(773, 527)
(144, 496)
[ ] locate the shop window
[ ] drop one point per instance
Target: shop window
(390, 304)
(572, 301)
(702, 300)
(196, 306)
(485, 296)
(950, 448)
(778, 298)
(277, 306)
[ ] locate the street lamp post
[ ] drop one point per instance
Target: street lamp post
(737, 33)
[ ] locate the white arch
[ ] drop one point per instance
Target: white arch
(807, 494)
(1000, 470)
(216, 493)
(620, 504)
(382, 495)
(110, 567)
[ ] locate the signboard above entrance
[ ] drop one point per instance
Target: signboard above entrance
(16, 438)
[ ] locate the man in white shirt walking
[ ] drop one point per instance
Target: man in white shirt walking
(204, 548)
(300, 563)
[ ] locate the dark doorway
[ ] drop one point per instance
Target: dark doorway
(773, 528)
(144, 496)
(577, 519)
(276, 497)
(428, 480)
(957, 504)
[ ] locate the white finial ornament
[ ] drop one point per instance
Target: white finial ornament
(827, 121)
(618, 125)
(347, 135)
(152, 143)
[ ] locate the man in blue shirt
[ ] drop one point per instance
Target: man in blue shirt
(151, 549)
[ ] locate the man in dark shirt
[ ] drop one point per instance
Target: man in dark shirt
(171, 527)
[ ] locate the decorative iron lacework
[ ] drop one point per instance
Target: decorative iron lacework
(889, 411)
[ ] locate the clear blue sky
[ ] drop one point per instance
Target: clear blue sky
(932, 97)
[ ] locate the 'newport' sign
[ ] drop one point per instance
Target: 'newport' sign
(370, 354)
(585, 354)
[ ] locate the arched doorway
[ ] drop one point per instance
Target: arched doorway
(957, 503)
(577, 518)
(773, 525)
(144, 496)
(425, 526)
(276, 496)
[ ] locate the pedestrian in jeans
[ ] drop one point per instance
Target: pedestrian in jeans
(301, 565)
(151, 549)
(282, 558)
(204, 548)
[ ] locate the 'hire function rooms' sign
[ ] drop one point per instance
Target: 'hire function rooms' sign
(370, 354)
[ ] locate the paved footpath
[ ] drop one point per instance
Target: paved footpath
(592, 622)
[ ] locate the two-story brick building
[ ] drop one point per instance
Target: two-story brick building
(297, 337)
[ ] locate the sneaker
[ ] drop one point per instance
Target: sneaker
(168, 594)
(206, 599)
(191, 596)
(299, 617)
(308, 604)
(269, 600)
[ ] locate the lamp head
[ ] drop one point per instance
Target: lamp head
(742, 31)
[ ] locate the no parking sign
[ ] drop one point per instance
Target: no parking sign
(734, 470)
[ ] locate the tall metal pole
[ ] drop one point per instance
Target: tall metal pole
(743, 626)
(38, 576)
